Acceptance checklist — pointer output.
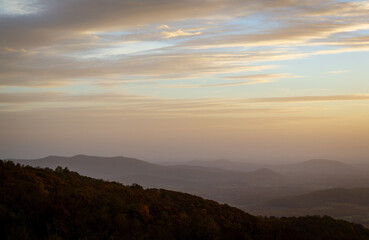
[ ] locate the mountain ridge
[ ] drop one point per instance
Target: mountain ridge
(60, 204)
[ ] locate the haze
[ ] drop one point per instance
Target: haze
(180, 80)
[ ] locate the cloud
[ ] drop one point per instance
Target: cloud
(59, 44)
(340, 9)
(108, 104)
(57, 96)
(64, 20)
(178, 33)
(126, 106)
(163, 27)
(292, 33)
(38, 69)
(14, 50)
(248, 80)
(349, 97)
(339, 71)
(19, 7)
(143, 103)
(264, 76)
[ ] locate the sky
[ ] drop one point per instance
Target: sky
(177, 80)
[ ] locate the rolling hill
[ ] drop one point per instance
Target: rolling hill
(59, 204)
(357, 196)
(252, 191)
(97, 167)
(348, 204)
(205, 181)
(227, 165)
(318, 167)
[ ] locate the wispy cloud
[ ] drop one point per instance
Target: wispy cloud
(349, 97)
(247, 80)
(339, 71)
(14, 50)
(216, 44)
(163, 26)
(141, 103)
(178, 33)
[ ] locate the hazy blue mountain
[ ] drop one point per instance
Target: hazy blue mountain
(227, 186)
(97, 167)
(348, 204)
(135, 169)
(356, 196)
(226, 164)
(317, 167)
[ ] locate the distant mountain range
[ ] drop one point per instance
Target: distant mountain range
(97, 167)
(131, 170)
(214, 183)
(227, 165)
(347, 204)
(310, 167)
(269, 190)
(318, 167)
(355, 196)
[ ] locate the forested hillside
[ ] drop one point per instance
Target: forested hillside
(59, 204)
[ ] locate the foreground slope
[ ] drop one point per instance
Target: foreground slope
(47, 204)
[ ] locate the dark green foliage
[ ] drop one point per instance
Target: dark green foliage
(45, 204)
